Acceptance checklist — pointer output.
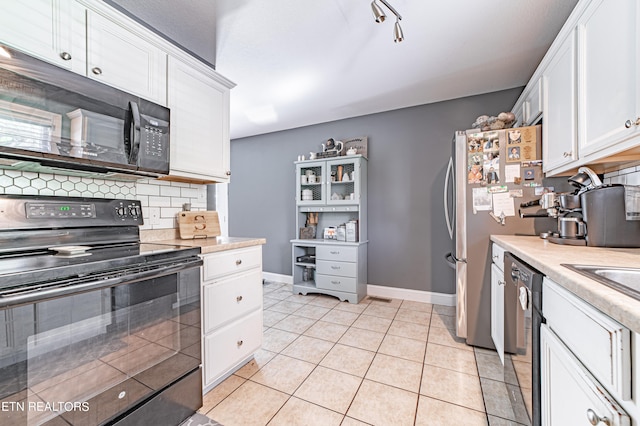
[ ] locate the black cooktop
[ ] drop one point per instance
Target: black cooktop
(17, 269)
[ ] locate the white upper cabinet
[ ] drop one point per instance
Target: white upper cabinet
(609, 75)
(120, 58)
(41, 28)
(559, 104)
(199, 105)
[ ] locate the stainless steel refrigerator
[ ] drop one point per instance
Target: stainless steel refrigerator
(497, 170)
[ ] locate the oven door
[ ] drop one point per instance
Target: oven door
(92, 356)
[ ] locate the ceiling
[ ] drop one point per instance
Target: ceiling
(303, 62)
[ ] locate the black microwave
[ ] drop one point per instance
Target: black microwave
(60, 119)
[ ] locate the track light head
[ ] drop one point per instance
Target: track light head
(378, 13)
(398, 36)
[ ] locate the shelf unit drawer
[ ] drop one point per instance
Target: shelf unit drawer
(232, 261)
(341, 254)
(231, 298)
(602, 344)
(230, 345)
(342, 269)
(332, 282)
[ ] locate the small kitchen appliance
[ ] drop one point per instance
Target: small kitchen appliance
(604, 211)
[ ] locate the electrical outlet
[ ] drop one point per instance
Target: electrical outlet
(154, 216)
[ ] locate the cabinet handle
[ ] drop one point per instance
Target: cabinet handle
(96, 71)
(238, 262)
(65, 56)
(501, 282)
(335, 282)
(239, 299)
(335, 268)
(630, 123)
(495, 257)
(240, 343)
(567, 154)
(334, 252)
(594, 419)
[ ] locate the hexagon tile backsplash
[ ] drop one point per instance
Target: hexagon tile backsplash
(160, 200)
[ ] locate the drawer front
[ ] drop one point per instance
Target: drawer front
(230, 345)
(497, 255)
(232, 261)
(341, 254)
(228, 299)
(332, 282)
(343, 269)
(600, 343)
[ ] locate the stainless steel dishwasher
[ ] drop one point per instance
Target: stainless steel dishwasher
(527, 283)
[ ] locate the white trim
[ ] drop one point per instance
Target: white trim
(383, 291)
(287, 279)
(412, 295)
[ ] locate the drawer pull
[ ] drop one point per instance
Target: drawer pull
(238, 262)
(335, 282)
(335, 268)
(240, 343)
(567, 154)
(334, 252)
(630, 123)
(239, 299)
(594, 419)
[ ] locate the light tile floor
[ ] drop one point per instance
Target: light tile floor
(379, 362)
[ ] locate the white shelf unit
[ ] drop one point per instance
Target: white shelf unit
(336, 268)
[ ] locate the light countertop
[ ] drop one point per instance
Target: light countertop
(207, 245)
(547, 257)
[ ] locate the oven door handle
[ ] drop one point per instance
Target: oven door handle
(34, 295)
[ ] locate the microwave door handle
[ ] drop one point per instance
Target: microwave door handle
(447, 214)
(134, 132)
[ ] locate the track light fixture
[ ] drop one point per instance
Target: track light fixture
(379, 15)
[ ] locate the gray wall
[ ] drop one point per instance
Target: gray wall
(408, 154)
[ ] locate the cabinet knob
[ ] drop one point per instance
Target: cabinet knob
(594, 419)
(630, 123)
(567, 154)
(240, 343)
(228, 173)
(495, 257)
(501, 282)
(239, 299)
(66, 56)
(238, 262)
(96, 70)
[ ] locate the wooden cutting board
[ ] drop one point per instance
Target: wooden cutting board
(200, 224)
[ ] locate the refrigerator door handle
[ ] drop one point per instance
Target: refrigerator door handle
(446, 198)
(451, 260)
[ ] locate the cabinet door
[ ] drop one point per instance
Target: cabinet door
(570, 395)
(199, 124)
(343, 181)
(532, 106)
(122, 59)
(41, 28)
(310, 183)
(497, 309)
(559, 104)
(609, 93)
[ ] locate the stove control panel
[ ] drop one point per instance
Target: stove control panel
(81, 212)
(60, 210)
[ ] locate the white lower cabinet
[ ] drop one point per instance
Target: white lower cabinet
(586, 363)
(570, 394)
(231, 311)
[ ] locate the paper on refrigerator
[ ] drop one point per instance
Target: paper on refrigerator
(503, 204)
(481, 199)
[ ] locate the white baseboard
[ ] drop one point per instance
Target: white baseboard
(270, 276)
(382, 291)
(413, 295)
